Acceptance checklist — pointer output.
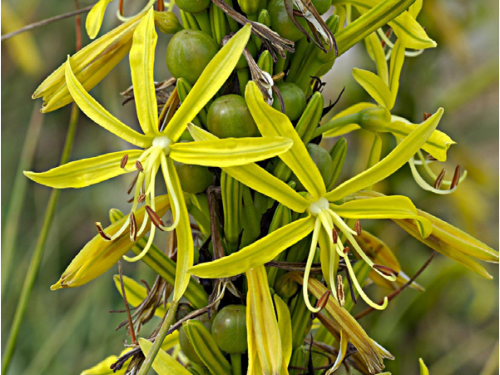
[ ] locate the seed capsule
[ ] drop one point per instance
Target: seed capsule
(229, 116)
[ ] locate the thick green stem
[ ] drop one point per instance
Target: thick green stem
(169, 319)
(236, 363)
(38, 253)
(337, 123)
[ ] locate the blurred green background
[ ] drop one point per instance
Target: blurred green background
(453, 325)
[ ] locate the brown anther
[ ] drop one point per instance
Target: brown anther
(141, 198)
(426, 116)
(101, 231)
(321, 304)
(133, 227)
(340, 290)
(124, 161)
(278, 77)
(357, 227)
(155, 219)
(346, 249)
(335, 236)
(138, 165)
(456, 177)
(388, 34)
(439, 179)
(388, 271)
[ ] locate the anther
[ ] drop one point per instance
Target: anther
(346, 250)
(456, 178)
(388, 271)
(138, 165)
(439, 179)
(133, 227)
(357, 227)
(101, 231)
(321, 304)
(335, 236)
(340, 290)
(141, 198)
(426, 116)
(124, 161)
(155, 219)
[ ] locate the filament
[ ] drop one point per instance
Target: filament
(310, 258)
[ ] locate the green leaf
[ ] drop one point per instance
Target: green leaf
(273, 123)
(392, 162)
(163, 363)
(229, 152)
(390, 207)
(374, 85)
(142, 59)
(256, 254)
(86, 172)
(211, 80)
(99, 114)
(95, 17)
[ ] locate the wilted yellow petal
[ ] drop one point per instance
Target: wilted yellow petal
(86, 172)
(95, 17)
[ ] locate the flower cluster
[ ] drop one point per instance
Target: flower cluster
(250, 190)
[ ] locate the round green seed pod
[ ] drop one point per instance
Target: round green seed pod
(192, 6)
(322, 6)
(188, 53)
(229, 116)
(186, 346)
(229, 329)
(167, 22)
(323, 161)
(249, 6)
(294, 99)
(194, 179)
(282, 24)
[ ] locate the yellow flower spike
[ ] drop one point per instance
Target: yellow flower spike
(265, 332)
(95, 17)
(99, 255)
(90, 65)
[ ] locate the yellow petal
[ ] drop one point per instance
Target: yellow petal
(374, 85)
(99, 114)
(256, 254)
(285, 328)
(392, 162)
(229, 152)
(211, 80)
(397, 60)
(86, 172)
(95, 17)
(423, 367)
(163, 363)
(273, 123)
(142, 59)
(377, 54)
(356, 108)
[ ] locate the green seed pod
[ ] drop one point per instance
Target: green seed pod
(282, 24)
(249, 6)
(167, 22)
(337, 153)
(229, 116)
(230, 329)
(322, 6)
(188, 53)
(183, 310)
(233, 25)
(252, 48)
(323, 161)
(218, 23)
(205, 347)
(186, 346)
(265, 19)
(194, 179)
(193, 6)
(294, 99)
(266, 62)
(285, 287)
(333, 25)
(374, 118)
(189, 21)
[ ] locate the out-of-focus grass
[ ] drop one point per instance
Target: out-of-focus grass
(453, 325)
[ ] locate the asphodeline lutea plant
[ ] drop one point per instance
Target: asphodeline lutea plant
(160, 144)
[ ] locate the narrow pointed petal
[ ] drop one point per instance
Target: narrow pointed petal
(95, 17)
(256, 254)
(285, 328)
(103, 367)
(99, 114)
(163, 363)
(258, 178)
(390, 207)
(211, 80)
(374, 86)
(86, 172)
(264, 325)
(142, 58)
(342, 352)
(392, 162)
(273, 123)
(229, 152)
(99, 255)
